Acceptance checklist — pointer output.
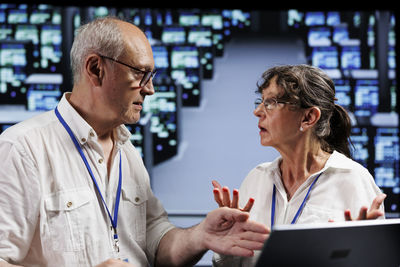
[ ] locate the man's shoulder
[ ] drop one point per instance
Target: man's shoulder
(29, 127)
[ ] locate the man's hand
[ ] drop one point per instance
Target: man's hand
(229, 231)
(222, 197)
(373, 213)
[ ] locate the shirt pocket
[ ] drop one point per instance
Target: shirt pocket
(135, 200)
(317, 214)
(67, 212)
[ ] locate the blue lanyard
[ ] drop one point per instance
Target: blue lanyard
(300, 208)
(115, 219)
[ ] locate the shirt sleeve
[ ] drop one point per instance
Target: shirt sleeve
(19, 202)
(219, 260)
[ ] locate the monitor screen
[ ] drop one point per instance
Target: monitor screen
(43, 100)
(332, 18)
(319, 36)
(325, 57)
(6, 32)
(184, 57)
(343, 93)
(189, 19)
(161, 57)
(366, 98)
(314, 18)
(40, 16)
(360, 150)
(213, 20)
(386, 171)
(201, 37)
(173, 35)
(27, 32)
(340, 33)
(17, 16)
(350, 57)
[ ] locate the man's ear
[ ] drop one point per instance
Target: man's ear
(94, 69)
(311, 117)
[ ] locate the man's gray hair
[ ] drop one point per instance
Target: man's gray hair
(100, 36)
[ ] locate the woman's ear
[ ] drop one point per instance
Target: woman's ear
(94, 69)
(310, 118)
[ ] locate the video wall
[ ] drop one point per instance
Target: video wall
(35, 41)
(346, 45)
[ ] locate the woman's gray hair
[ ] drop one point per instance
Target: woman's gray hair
(100, 36)
(308, 86)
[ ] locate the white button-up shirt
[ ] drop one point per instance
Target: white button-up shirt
(343, 184)
(50, 211)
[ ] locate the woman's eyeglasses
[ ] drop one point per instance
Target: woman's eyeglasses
(269, 103)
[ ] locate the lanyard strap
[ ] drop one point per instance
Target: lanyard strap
(300, 208)
(115, 219)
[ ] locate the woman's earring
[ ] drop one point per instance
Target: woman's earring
(301, 128)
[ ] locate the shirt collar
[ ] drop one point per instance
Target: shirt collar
(339, 161)
(336, 160)
(82, 130)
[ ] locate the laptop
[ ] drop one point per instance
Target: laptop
(370, 243)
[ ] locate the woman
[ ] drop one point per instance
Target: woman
(314, 179)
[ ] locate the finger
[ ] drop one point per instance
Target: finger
(249, 205)
(347, 215)
(377, 202)
(226, 198)
(252, 236)
(372, 215)
(363, 213)
(255, 227)
(248, 244)
(218, 197)
(241, 252)
(235, 199)
(216, 184)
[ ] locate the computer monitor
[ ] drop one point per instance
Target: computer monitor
(173, 35)
(350, 57)
(200, 36)
(13, 70)
(17, 16)
(360, 138)
(333, 18)
(161, 57)
(343, 93)
(314, 18)
(325, 57)
(319, 36)
(366, 98)
(187, 18)
(340, 32)
(386, 165)
(183, 57)
(43, 97)
(213, 20)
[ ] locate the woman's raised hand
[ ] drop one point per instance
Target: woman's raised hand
(223, 198)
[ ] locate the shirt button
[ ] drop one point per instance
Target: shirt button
(91, 134)
(137, 199)
(83, 139)
(69, 204)
(100, 161)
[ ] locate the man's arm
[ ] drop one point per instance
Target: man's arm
(6, 264)
(225, 230)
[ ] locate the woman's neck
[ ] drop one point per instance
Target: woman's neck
(299, 164)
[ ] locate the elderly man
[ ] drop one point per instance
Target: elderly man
(74, 190)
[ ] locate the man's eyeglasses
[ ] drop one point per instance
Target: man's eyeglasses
(269, 103)
(146, 74)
